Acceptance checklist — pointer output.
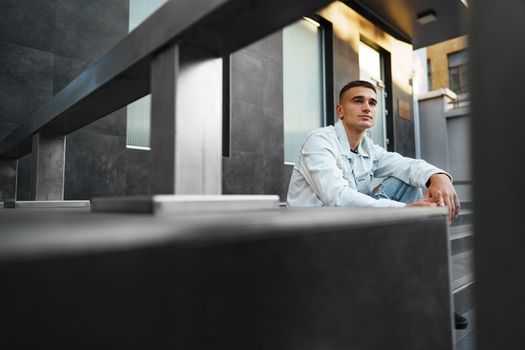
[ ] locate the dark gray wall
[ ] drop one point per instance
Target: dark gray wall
(346, 65)
(404, 139)
(26, 64)
(256, 162)
(43, 46)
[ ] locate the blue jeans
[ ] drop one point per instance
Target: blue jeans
(397, 190)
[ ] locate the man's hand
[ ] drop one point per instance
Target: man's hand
(443, 193)
(425, 202)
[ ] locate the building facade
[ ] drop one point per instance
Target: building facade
(260, 85)
(448, 65)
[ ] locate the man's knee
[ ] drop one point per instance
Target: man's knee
(398, 190)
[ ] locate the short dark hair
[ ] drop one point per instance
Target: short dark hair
(356, 83)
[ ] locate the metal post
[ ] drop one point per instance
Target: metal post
(8, 171)
(48, 167)
(497, 61)
(186, 122)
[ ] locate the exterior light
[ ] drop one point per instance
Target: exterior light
(315, 23)
(426, 17)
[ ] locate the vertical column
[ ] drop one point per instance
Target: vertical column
(8, 170)
(498, 124)
(48, 167)
(186, 122)
(433, 126)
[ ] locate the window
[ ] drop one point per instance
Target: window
(138, 124)
(304, 73)
(226, 106)
(429, 75)
(138, 112)
(457, 72)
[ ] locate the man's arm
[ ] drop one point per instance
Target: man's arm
(417, 172)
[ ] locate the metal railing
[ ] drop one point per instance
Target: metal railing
(462, 101)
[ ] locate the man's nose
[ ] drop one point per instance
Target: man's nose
(366, 106)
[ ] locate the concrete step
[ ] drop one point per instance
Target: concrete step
(461, 239)
(466, 338)
(466, 216)
(463, 281)
(464, 191)
(467, 205)
(463, 278)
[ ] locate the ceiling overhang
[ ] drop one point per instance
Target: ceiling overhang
(400, 18)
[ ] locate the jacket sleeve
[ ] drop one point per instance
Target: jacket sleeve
(319, 166)
(415, 172)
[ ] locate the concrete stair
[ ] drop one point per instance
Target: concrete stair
(465, 217)
(461, 248)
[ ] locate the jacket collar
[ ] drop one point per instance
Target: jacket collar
(362, 150)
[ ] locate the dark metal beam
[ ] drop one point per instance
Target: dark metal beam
(123, 74)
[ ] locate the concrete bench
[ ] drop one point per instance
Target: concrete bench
(285, 278)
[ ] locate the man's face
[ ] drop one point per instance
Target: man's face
(357, 108)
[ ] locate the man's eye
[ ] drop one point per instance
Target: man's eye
(373, 103)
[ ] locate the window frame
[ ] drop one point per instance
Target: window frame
(461, 69)
(326, 29)
(386, 63)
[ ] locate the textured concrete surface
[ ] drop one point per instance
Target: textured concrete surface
(278, 279)
(256, 164)
(43, 46)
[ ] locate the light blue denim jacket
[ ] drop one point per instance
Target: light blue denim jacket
(327, 173)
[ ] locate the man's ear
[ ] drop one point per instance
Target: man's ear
(339, 111)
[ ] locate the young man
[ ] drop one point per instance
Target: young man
(337, 164)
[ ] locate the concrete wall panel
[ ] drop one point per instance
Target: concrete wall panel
(256, 165)
(26, 82)
(85, 30)
(29, 23)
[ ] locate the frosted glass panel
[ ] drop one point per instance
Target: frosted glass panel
(302, 84)
(378, 132)
(139, 10)
(138, 126)
(370, 70)
(369, 61)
